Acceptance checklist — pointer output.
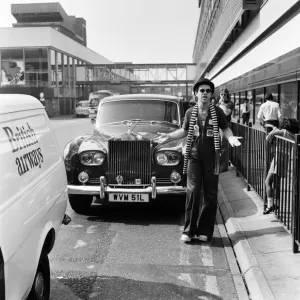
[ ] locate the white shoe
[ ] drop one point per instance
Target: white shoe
(185, 237)
(203, 238)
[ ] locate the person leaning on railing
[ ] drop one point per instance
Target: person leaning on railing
(269, 113)
(288, 128)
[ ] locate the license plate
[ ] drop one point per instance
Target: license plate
(128, 197)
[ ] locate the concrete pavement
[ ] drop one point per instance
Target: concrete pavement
(262, 245)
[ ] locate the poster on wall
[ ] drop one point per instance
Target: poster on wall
(12, 72)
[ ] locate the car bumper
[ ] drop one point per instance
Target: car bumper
(82, 112)
(96, 190)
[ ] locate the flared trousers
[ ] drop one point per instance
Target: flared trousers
(201, 198)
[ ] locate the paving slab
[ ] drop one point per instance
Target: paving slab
(244, 208)
(283, 278)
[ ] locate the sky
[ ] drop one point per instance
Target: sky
(137, 31)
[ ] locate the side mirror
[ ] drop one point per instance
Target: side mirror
(93, 120)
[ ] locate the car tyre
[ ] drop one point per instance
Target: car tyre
(40, 289)
(80, 203)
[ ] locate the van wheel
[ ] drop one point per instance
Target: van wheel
(41, 285)
(80, 203)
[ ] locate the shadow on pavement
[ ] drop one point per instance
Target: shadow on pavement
(118, 288)
(144, 214)
(136, 215)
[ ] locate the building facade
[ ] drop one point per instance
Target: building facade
(251, 47)
(39, 55)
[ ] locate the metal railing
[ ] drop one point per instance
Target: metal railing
(253, 159)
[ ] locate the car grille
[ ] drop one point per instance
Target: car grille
(163, 182)
(159, 182)
(130, 161)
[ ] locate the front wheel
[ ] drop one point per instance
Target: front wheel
(80, 203)
(40, 289)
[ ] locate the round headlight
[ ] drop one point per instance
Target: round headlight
(175, 177)
(99, 158)
(174, 157)
(168, 158)
(86, 158)
(161, 158)
(83, 177)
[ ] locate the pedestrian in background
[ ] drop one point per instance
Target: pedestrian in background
(192, 103)
(225, 103)
(201, 161)
(245, 111)
(269, 113)
(227, 106)
(288, 128)
(213, 101)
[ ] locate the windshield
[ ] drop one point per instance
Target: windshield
(150, 110)
(83, 104)
(95, 98)
(98, 96)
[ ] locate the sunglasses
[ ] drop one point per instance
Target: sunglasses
(205, 90)
(223, 94)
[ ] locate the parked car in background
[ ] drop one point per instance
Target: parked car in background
(82, 108)
(33, 197)
(94, 100)
(120, 162)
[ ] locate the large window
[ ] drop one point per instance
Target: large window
(65, 70)
(36, 67)
(259, 100)
(12, 67)
(249, 96)
(60, 74)
(288, 99)
(237, 105)
(53, 67)
(231, 96)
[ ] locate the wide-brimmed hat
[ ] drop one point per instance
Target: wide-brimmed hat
(203, 81)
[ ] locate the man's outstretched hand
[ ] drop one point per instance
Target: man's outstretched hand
(234, 141)
(163, 137)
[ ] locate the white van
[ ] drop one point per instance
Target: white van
(33, 197)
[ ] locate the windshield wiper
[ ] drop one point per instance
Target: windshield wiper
(125, 121)
(163, 122)
(135, 120)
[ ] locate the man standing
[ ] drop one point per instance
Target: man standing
(245, 111)
(201, 126)
(42, 99)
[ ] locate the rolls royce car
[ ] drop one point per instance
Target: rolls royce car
(121, 162)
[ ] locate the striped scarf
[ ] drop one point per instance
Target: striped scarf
(192, 123)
